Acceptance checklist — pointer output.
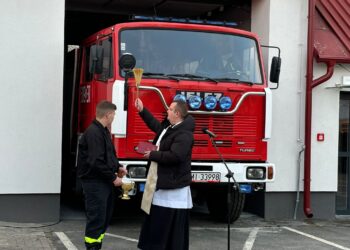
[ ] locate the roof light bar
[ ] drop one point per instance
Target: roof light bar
(183, 20)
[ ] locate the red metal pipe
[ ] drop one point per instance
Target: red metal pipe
(310, 84)
(329, 73)
(308, 108)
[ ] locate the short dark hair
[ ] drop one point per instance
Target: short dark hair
(103, 107)
(181, 107)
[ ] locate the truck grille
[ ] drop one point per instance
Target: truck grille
(225, 128)
(139, 124)
(245, 126)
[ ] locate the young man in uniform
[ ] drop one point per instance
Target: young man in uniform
(99, 172)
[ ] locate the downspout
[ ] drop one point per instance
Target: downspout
(310, 84)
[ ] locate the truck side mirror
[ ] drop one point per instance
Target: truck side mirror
(96, 59)
(127, 62)
(275, 69)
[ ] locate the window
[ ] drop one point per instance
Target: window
(216, 55)
(107, 62)
(98, 60)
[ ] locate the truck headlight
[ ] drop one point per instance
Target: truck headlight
(137, 172)
(255, 173)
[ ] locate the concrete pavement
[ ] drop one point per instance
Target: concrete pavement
(249, 232)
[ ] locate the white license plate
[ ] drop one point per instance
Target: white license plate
(206, 177)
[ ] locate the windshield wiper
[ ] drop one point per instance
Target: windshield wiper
(191, 76)
(178, 77)
(233, 80)
(152, 74)
(161, 75)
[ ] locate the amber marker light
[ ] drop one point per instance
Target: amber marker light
(270, 172)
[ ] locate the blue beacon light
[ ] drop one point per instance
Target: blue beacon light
(180, 97)
(210, 102)
(225, 103)
(194, 102)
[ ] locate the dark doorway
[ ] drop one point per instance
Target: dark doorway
(83, 18)
(343, 197)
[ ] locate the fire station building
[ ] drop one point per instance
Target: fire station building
(311, 106)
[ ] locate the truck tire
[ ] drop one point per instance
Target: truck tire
(217, 204)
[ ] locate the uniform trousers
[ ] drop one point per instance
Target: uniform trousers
(165, 229)
(99, 204)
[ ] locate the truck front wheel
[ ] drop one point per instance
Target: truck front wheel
(217, 204)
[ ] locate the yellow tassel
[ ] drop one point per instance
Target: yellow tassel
(138, 76)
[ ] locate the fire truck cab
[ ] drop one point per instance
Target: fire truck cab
(217, 70)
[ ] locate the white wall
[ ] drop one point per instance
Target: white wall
(325, 120)
(287, 25)
(31, 54)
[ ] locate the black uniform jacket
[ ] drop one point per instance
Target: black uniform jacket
(96, 157)
(175, 151)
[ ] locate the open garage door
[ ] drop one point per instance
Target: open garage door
(84, 17)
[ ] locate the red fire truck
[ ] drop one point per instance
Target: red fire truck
(217, 70)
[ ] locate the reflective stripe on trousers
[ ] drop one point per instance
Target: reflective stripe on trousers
(91, 240)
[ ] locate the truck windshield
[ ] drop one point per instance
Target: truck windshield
(218, 56)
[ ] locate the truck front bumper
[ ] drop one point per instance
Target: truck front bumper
(213, 171)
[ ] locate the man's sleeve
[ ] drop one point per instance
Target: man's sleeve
(151, 122)
(180, 148)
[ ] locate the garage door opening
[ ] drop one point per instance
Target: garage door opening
(85, 18)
